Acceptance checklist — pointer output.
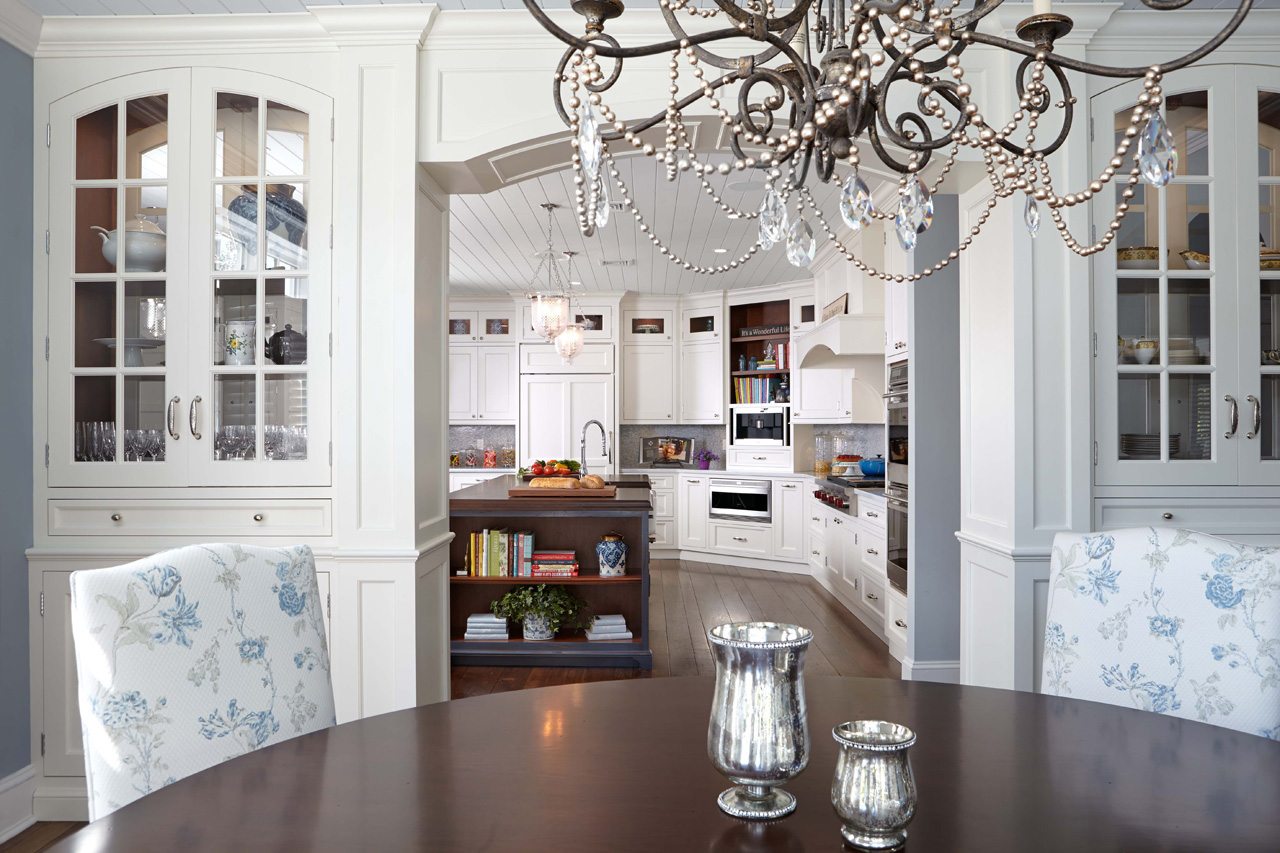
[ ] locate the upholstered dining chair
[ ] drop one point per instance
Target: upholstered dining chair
(194, 656)
(1169, 621)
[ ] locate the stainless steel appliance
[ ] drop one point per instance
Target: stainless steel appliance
(760, 425)
(896, 404)
(741, 500)
(896, 527)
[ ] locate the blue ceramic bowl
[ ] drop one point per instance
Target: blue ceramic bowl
(872, 467)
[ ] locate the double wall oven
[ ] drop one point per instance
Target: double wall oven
(897, 401)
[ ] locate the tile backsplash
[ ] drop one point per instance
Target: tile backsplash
(484, 437)
(867, 439)
(705, 436)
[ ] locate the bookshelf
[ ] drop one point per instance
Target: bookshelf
(756, 329)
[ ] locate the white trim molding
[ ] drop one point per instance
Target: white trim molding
(17, 811)
(20, 27)
(941, 671)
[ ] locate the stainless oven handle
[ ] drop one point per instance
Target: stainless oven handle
(896, 504)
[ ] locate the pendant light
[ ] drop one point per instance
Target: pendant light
(550, 306)
(572, 337)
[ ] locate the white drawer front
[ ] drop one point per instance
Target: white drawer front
(871, 512)
(765, 458)
(662, 482)
(742, 540)
(211, 519)
(815, 549)
(871, 548)
(662, 534)
(872, 593)
(895, 617)
(664, 504)
(1256, 519)
(543, 358)
(813, 515)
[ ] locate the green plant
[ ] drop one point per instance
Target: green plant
(554, 603)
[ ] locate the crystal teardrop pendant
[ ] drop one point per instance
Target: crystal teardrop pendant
(915, 213)
(801, 245)
(773, 219)
(601, 213)
(1031, 216)
(1157, 155)
(855, 202)
(590, 145)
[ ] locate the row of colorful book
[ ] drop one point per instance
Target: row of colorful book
(761, 389)
(507, 554)
(554, 564)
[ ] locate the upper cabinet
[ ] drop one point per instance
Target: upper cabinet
(1187, 300)
(485, 325)
(189, 282)
(701, 324)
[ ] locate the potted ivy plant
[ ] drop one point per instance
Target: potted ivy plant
(704, 458)
(543, 610)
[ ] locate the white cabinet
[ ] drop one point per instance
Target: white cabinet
(463, 479)
(553, 411)
(896, 309)
(597, 322)
(483, 325)
(63, 742)
(896, 625)
(821, 395)
(543, 358)
(648, 325)
(699, 325)
(648, 383)
(662, 492)
(789, 520)
(804, 314)
(693, 507)
(702, 383)
(749, 540)
(842, 554)
(482, 384)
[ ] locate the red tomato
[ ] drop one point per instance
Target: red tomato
(537, 469)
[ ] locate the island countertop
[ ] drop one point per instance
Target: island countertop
(632, 494)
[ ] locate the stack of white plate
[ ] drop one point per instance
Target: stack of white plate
(1146, 445)
(1184, 351)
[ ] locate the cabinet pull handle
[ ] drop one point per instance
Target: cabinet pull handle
(900, 623)
(1235, 416)
(739, 538)
(871, 514)
(814, 518)
(115, 516)
(760, 458)
(788, 485)
(1257, 417)
(871, 596)
(257, 516)
(193, 413)
(1167, 516)
(653, 539)
(815, 553)
(171, 417)
(872, 551)
(837, 521)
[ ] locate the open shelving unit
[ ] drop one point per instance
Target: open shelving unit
(757, 315)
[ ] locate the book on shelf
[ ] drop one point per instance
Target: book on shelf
(608, 619)
(499, 553)
(596, 636)
(472, 635)
(486, 619)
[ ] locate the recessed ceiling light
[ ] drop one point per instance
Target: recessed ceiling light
(721, 251)
(575, 284)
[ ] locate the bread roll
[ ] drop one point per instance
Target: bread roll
(591, 481)
(554, 483)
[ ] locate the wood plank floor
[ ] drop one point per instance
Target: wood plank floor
(685, 599)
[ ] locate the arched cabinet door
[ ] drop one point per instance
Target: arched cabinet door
(260, 282)
(118, 225)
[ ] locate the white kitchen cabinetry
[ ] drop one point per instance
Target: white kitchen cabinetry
(648, 325)
(693, 507)
(804, 314)
(662, 529)
(789, 520)
(896, 626)
(597, 321)
(1204, 409)
(700, 325)
(702, 383)
(842, 554)
(482, 384)
(897, 301)
(554, 409)
(463, 479)
(648, 383)
(821, 395)
(483, 325)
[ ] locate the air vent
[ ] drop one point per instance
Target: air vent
(618, 205)
(618, 263)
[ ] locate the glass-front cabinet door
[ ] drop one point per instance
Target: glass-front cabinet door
(1166, 381)
(260, 165)
(118, 226)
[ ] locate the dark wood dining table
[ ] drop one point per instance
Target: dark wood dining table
(622, 766)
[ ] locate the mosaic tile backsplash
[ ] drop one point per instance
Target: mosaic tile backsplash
(867, 439)
(705, 437)
(481, 437)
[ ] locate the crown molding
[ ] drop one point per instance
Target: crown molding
(20, 26)
(377, 26)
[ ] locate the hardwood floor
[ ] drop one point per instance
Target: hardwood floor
(685, 599)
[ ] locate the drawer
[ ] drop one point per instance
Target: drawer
(872, 594)
(543, 358)
(813, 515)
(871, 512)
(664, 504)
(871, 550)
(815, 549)
(1255, 518)
(895, 616)
(662, 482)
(757, 540)
(662, 534)
(764, 458)
(211, 519)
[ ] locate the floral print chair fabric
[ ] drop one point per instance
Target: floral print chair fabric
(1169, 621)
(192, 657)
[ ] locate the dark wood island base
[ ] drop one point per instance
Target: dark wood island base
(556, 524)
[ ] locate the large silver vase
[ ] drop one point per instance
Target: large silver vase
(759, 731)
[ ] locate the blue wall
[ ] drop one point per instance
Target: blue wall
(16, 95)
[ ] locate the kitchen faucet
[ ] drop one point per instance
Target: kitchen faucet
(604, 443)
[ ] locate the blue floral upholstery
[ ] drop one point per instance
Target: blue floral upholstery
(1169, 621)
(192, 657)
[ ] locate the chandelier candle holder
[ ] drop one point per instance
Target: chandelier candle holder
(813, 99)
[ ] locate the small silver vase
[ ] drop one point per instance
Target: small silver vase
(873, 791)
(759, 731)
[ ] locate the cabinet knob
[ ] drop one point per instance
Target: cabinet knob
(900, 623)
(257, 516)
(115, 516)
(653, 539)
(837, 521)
(814, 553)
(1167, 516)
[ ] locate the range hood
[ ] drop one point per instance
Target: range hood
(852, 344)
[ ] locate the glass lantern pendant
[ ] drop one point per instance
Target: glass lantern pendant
(855, 202)
(590, 145)
(801, 245)
(915, 213)
(773, 220)
(1031, 216)
(569, 342)
(1157, 155)
(550, 315)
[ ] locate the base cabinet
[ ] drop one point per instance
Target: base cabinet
(693, 506)
(788, 520)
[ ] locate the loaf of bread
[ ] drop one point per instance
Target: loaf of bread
(554, 483)
(591, 481)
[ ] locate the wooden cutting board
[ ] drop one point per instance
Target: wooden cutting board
(531, 492)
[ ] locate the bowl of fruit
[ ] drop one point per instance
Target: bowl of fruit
(552, 468)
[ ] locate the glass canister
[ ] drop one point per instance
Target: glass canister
(455, 458)
(841, 446)
(821, 454)
(507, 457)
(471, 458)
(491, 458)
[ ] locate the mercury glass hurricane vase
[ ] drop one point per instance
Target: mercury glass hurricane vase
(759, 731)
(874, 791)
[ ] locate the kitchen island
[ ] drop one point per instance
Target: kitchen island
(560, 524)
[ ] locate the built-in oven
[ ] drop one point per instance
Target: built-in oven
(896, 527)
(741, 500)
(896, 405)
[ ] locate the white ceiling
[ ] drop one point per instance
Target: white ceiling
(493, 237)
(205, 7)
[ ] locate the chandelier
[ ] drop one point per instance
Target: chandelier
(798, 120)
